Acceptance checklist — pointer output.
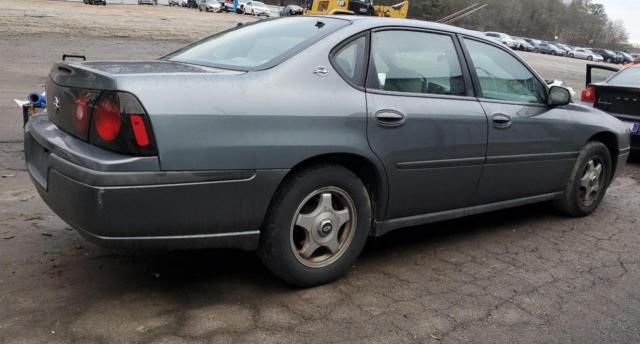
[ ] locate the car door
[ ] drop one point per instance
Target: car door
(530, 149)
(423, 122)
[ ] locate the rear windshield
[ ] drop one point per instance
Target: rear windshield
(257, 46)
(628, 77)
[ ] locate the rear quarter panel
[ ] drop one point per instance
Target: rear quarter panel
(268, 119)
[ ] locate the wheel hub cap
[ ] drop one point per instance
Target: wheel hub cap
(590, 183)
(323, 227)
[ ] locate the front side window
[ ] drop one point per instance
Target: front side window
(257, 45)
(415, 62)
(349, 60)
(502, 76)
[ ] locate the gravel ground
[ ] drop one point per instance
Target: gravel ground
(524, 275)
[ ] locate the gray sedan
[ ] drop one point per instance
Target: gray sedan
(340, 128)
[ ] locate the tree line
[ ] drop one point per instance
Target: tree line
(577, 22)
(581, 23)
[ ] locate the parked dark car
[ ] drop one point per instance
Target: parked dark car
(524, 45)
(608, 55)
(535, 43)
(291, 10)
(618, 95)
(95, 2)
(547, 48)
(625, 57)
(394, 123)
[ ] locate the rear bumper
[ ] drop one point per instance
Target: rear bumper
(137, 208)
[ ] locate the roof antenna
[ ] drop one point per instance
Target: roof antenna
(319, 24)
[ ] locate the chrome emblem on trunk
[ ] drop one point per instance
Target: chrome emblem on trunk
(56, 103)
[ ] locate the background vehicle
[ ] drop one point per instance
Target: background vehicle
(303, 180)
(291, 10)
(181, 3)
(625, 57)
(616, 92)
(547, 48)
(504, 38)
(95, 2)
(210, 6)
(146, 2)
(558, 50)
(567, 49)
(608, 55)
(256, 8)
(585, 54)
(524, 45)
(534, 42)
(357, 7)
(228, 6)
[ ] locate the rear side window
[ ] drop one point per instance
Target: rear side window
(628, 77)
(502, 76)
(349, 60)
(415, 62)
(259, 45)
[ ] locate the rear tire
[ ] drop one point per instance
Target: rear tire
(589, 181)
(317, 225)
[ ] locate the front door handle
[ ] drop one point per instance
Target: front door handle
(501, 121)
(390, 118)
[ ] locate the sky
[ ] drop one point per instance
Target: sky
(628, 11)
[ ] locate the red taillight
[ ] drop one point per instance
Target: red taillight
(81, 114)
(106, 119)
(119, 123)
(139, 130)
(589, 94)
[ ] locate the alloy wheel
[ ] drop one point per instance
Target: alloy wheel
(323, 227)
(591, 182)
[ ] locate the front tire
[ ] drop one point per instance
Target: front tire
(589, 181)
(317, 226)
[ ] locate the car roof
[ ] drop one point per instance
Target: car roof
(372, 22)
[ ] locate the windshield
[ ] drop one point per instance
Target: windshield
(628, 77)
(258, 4)
(257, 46)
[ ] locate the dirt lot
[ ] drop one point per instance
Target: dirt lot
(525, 275)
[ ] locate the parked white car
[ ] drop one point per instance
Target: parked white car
(181, 3)
(256, 8)
(585, 54)
(504, 38)
(210, 6)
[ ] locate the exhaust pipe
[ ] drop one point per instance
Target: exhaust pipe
(37, 99)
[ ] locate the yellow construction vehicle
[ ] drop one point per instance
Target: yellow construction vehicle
(357, 7)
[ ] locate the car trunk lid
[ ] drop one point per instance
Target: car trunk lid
(618, 100)
(73, 88)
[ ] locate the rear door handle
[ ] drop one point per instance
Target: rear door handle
(390, 118)
(501, 121)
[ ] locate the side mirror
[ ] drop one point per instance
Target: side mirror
(559, 96)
